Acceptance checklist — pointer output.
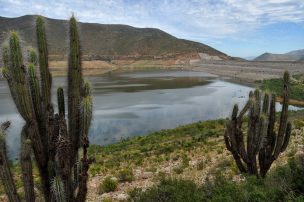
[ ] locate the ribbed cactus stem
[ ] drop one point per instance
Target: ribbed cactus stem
(57, 189)
(271, 137)
(74, 87)
(5, 56)
(265, 103)
(35, 91)
(26, 166)
(46, 79)
(32, 56)
(5, 172)
(60, 101)
(287, 137)
(16, 64)
(284, 116)
(86, 108)
(19, 81)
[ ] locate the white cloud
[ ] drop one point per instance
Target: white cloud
(184, 18)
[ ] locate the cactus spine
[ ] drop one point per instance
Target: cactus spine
(262, 140)
(54, 143)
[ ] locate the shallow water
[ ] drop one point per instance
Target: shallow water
(136, 103)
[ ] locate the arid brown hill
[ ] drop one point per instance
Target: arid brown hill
(103, 42)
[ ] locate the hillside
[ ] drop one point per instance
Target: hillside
(195, 152)
(108, 42)
(296, 55)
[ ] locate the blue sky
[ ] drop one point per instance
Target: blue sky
(237, 27)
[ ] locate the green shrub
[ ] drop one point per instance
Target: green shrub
(200, 165)
(185, 161)
(107, 200)
(285, 183)
(107, 185)
(125, 175)
(134, 194)
(252, 189)
(178, 169)
(169, 190)
(289, 177)
(298, 123)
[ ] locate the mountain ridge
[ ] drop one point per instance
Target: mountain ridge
(292, 56)
(108, 41)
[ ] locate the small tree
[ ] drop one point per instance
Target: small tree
(262, 140)
(60, 149)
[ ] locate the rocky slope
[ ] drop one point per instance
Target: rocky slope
(110, 42)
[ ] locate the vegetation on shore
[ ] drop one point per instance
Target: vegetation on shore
(276, 86)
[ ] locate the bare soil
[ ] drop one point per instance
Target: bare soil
(247, 71)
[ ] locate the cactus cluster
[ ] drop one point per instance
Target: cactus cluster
(263, 143)
(58, 144)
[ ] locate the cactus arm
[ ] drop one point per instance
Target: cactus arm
(40, 156)
(250, 129)
(60, 101)
(265, 104)
(35, 91)
(86, 118)
(6, 74)
(86, 109)
(32, 57)
(287, 137)
(283, 118)
(46, 79)
(74, 87)
(26, 166)
(229, 146)
(19, 82)
(5, 56)
(5, 172)
(57, 189)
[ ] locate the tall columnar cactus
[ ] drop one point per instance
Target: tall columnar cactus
(55, 144)
(262, 141)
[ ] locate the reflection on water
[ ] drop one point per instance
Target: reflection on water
(137, 103)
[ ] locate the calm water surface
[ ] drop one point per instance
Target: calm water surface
(136, 103)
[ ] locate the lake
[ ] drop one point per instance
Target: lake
(137, 103)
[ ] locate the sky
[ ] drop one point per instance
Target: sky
(242, 28)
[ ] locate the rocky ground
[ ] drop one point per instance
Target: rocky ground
(247, 71)
(203, 162)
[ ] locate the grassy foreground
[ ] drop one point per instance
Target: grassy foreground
(188, 163)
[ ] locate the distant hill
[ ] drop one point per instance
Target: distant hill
(105, 42)
(296, 55)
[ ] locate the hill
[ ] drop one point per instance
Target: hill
(109, 42)
(296, 55)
